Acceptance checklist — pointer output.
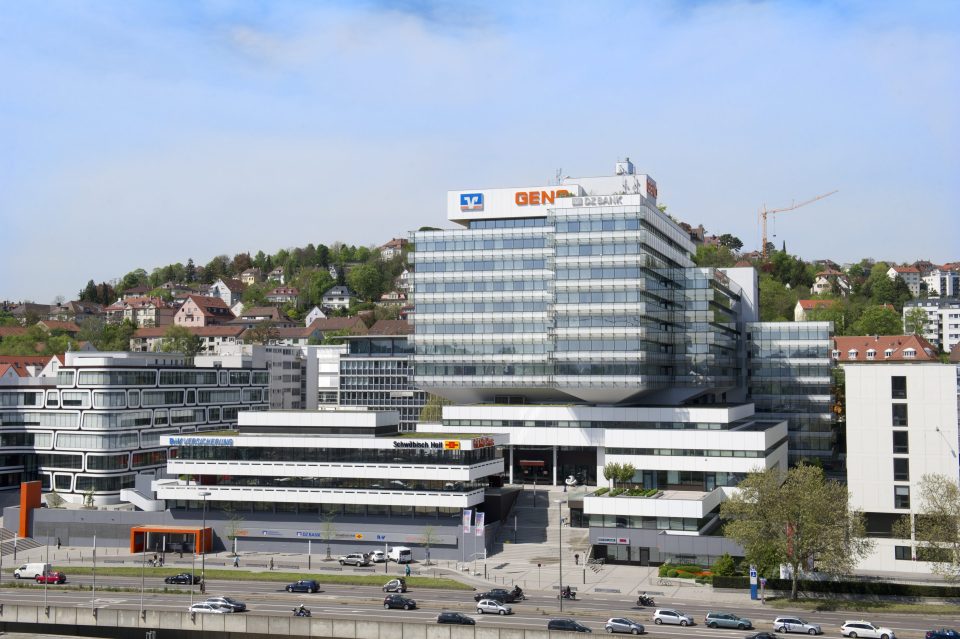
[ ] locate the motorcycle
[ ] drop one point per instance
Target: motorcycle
(567, 593)
(644, 600)
(517, 593)
(301, 612)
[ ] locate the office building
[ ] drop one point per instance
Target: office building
(942, 327)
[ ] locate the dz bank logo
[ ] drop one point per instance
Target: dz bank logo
(471, 201)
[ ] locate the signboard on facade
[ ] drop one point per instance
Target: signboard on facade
(346, 535)
(201, 441)
(614, 541)
(483, 442)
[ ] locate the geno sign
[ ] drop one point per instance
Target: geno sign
(536, 198)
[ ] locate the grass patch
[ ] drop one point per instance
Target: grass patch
(236, 574)
(865, 605)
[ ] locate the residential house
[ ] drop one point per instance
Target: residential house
(237, 309)
(276, 275)
(942, 327)
(883, 348)
(136, 291)
(25, 365)
(29, 313)
(260, 314)
(74, 311)
(943, 281)
(142, 311)
(8, 375)
(314, 314)
(251, 276)
(229, 290)
(198, 310)
(402, 281)
(337, 297)
(393, 248)
(151, 339)
(830, 281)
(334, 271)
(295, 335)
(803, 307)
(284, 295)
(70, 328)
(393, 298)
(909, 274)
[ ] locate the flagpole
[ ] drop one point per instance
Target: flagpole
(93, 588)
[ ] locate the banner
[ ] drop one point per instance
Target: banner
(479, 524)
(467, 517)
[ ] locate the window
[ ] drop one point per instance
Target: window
(852, 353)
(901, 497)
(901, 442)
(902, 553)
(899, 414)
(898, 387)
(888, 353)
(871, 354)
(909, 353)
(901, 469)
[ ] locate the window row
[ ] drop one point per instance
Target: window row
(483, 307)
(481, 286)
(475, 329)
(607, 248)
(483, 244)
(480, 265)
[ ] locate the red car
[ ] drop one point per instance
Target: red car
(55, 577)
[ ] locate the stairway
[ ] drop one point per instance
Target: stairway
(23, 543)
(538, 531)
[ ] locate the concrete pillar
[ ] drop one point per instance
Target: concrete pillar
(554, 465)
(510, 451)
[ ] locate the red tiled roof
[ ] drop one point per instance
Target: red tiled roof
(897, 344)
(391, 327)
(260, 311)
(57, 325)
(906, 269)
(10, 331)
(205, 303)
(19, 363)
(809, 305)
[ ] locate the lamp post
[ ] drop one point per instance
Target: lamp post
(560, 503)
(203, 545)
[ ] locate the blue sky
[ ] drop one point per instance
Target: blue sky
(135, 134)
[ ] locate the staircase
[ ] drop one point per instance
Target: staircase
(23, 543)
(538, 531)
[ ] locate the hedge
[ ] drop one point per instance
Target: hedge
(845, 587)
(664, 568)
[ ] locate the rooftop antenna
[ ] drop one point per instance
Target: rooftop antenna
(559, 177)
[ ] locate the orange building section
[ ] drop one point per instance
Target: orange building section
(29, 499)
(202, 537)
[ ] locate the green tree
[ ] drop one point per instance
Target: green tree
(432, 410)
(724, 566)
(714, 256)
(730, 241)
(366, 281)
(936, 526)
(802, 521)
(878, 320)
(612, 472)
(136, 277)
(54, 500)
(914, 321)
(776, 300)
(335, 337)
(626, 473)
(328, 531)
(428, 538)
(191, 271)
(262, 333)
(179, 339)
(255, 295)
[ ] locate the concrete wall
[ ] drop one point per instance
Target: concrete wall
(128, 623)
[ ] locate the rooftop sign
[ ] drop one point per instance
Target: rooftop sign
(201, 441)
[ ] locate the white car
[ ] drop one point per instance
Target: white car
(866, 629)
(795, 624)
(209, 608)
(675, 617)
(493, 607)
(378, 556)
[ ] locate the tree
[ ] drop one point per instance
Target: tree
(878, 320)
(89, 292)
(179, 339)
(335, 337)
(191, 271)
(327, 532)
(136, 277)
(88, 498)
(626, 473)
(365, 280)
(432, 410)
(914, 321)
(262, 333)
(611, 472)
(714, 256)
(936, 526)
(54, 500)
(730, 241)
(255, 295)
(776, 300)
(804, 521)
(428, 538)
(234, 525)
(724, 566)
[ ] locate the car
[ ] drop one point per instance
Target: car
(796, 624)
(622, 624)
(395, 585)
(228, 602)
(209, 608)
(499, 594)
(455, 618)
(303, 585)
(866, 629)
(55, 577)
(942, 633)
(378, 556)
(568, 625)
(494, 607)
(727, 620)
(675, 617)
(182, 578)
(355, 559)
(762, 635)
(399, 601)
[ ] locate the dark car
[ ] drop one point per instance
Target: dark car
(228, 602)
(943, 633)
(455, 618)
(182, 578)
(567, 624)
(762, 635)
(399, 601)
(497, 594)
(304, 585)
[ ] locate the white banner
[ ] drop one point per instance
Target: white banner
(467, 518)
(479, 524)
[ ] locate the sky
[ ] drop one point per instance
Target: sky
(137, 134)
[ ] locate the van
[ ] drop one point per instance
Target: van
(400, 554)
(31, 571)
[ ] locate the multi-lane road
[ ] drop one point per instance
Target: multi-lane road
(269, 597)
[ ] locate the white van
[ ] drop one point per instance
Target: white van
(31, 571)
(400, 554)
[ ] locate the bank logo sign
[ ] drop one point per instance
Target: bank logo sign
(471, 201)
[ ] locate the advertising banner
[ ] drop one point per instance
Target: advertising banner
(467, 518)
(480, 524)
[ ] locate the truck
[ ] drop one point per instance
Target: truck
(31, 571)
(400, 554)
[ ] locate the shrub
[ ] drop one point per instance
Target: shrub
(725, 565)
(672, 573)
(846, 587)
(664, 568)
(616, 492)
(601, 491)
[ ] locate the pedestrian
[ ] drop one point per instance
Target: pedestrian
(236, 561)
(58, 543)
(407, 571)
(203, 586)
(576, 559)
(271, 563)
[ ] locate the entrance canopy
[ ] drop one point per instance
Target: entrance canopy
(170, 538)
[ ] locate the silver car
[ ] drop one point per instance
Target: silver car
(675, 617)
(493, 607)
(622, 624)
(795, 624)
(205, 607)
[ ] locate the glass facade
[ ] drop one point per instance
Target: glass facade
(375, 372)
(789, 377)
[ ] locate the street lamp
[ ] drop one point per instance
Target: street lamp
(560, 502)
(203, 544)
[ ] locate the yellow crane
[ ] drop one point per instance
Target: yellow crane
(765, 212)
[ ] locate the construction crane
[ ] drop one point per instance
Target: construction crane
(764, 213)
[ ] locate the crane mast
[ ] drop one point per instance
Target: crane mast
(765, 212)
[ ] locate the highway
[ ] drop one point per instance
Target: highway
(344, 601)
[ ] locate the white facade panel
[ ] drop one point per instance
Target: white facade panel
(396, 472)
